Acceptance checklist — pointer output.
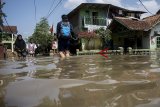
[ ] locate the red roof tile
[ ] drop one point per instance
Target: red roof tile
(152, 20)
(10, 29)
(136, 24)
(132, 24)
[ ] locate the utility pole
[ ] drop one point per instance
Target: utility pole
(1, 21)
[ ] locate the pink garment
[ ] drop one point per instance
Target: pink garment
(54, 45)
(31, 48)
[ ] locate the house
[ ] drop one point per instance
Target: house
(158, 12)
(91, 16)
(136, 33)
(88, 17)
(8, 36)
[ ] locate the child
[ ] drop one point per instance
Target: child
(54, 46)
(31, 47)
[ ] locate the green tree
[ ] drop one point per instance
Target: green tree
(42, 36)
(1, 18)
(105, 35)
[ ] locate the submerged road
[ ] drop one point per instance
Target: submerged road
(81, 81)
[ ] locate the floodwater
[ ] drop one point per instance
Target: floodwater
(81, 81)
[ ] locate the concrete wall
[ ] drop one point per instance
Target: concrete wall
(145, 42)
(153, 44)
(91, 44)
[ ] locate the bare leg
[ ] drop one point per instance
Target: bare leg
(53, 51)
(61, 54)
(67, 53)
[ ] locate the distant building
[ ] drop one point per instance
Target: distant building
(135, 33)
(8, 36)
(158, 12)
(91, 16)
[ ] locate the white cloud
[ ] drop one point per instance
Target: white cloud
(70, 4)
(114, 2)
(151, 5)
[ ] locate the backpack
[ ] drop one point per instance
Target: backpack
(65, 30)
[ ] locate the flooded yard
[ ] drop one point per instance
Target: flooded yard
(81, 81)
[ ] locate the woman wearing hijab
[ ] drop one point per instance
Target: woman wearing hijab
(20, 47)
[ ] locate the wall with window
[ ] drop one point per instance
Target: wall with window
(92, 14)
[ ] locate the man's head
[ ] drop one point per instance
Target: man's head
(64, 18)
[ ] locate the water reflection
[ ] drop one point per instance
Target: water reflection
(81, 81)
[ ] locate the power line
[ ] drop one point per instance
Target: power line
(87, 1)
(54, 8)
(8, 25)
(35, 11)
(53, 1)
(145, 7)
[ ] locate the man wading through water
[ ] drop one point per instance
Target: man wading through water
(64, 29)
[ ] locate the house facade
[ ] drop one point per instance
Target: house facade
(91, 16)
(136, 33)
(8, 36)
(88, 17)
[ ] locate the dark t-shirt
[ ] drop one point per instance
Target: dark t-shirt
(20, 45)
(59, 35)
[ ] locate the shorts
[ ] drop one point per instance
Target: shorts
(63, 44)
(22, 53)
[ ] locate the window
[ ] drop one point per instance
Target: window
(132, 15)
(95, 18)
(120, 12)
(158, 41)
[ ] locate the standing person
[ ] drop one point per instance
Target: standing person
(31, 47)
(20, 47)
(64, 29)
(3, 50)
(54, 45)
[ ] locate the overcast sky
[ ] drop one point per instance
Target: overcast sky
(21, 13)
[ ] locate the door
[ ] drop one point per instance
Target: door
(158, 41)
(95, 18)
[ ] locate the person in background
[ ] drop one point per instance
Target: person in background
(3, 50)
(31, 47)
(54, 46)
(64, 29)
(74, 44)
(20, 47)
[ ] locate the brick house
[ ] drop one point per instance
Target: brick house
(136, 33)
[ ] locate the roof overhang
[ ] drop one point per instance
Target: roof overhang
(101, 5)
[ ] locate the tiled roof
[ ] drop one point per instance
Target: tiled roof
(152, 20)
(132, 24)
(10, 29)
(136, 24)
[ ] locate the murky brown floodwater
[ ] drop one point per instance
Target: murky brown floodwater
(81, 81)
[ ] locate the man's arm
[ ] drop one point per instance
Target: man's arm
(58, 29)
(71, 27)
